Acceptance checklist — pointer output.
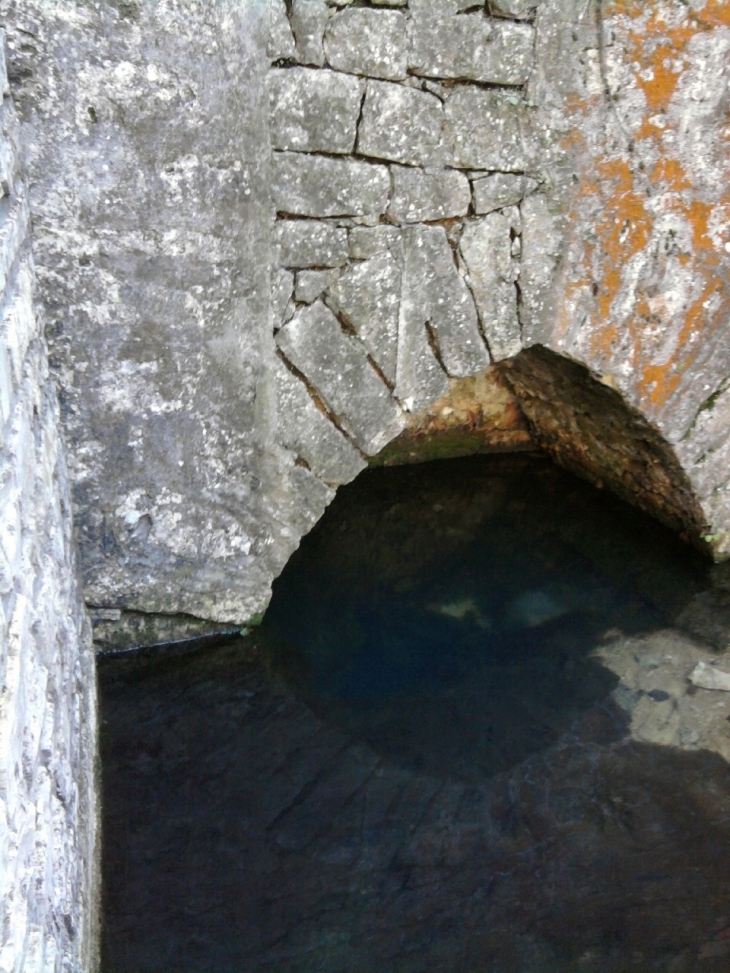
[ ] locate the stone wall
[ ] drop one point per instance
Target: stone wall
(47, 695)
(274, 238)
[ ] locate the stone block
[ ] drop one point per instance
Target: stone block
(518, 9)
(308, 20)
(308, 433)
(488, 130)
(311, 284)
(366, 241)
(311, 243)
(421, 195)
(307, 185)
(486, 247)
(281, 46)
(500, 189)
(369, 42)
(336, 365)
(446, 303)
(313, 111)
(468, 46)
(400, 124)
(282, 287)
(368, 297)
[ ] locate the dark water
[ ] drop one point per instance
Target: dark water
(423, 762)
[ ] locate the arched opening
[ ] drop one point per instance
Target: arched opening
(466, 738)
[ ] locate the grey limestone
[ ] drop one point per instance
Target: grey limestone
(311, 243)
(311, 284)
(444, 44)
(514, 8)
(446, 303)
(373, 43)
(308, 185)
(313, 111)
(500, 189)
(400, 124)
(281, 45)
(336, 365)
(305, 430)
(308, 20)
(366, 241)
(486, 247)
(420, 195)
(488, 130)
(368, 297)
(282, 287)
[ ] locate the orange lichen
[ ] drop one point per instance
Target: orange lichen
(624, 195)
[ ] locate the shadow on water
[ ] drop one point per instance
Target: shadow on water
(420, 764)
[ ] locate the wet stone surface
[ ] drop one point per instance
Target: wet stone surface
(465, 739)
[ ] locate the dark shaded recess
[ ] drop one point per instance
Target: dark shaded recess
(587, 428)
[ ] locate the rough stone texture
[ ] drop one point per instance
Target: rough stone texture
(337, 366)
(48, 835)
(368, 42)
(446, 304)
(319, 186)
(311, 284)
(400, 124)
(366, 241)
(309, 243)
(445, 43)
(499, 190)
(488, 130)
(281, 293)
(486, 247)
(368, 297)
(308, 20)
(281, 45)
(313, 111)
(419, 196)
(305, 430)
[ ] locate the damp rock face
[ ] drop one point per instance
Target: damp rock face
(449, 184)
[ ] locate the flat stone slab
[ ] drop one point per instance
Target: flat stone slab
(366, 241)
(336, 365)
(313, 111)
(486, 247)
(400, 124)
(368, 295)
(311, 243)
(488, 130)
(308, 185)
(308, 433)
(419, 196)
(311, 284)
(368, 42)
(500, 189)
(446, 304)
(468, 46)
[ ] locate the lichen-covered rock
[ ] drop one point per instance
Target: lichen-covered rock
(373, 43)
(307, 185)
(488, 130)
(368, 297)
(304, 429)
(336, 365)
(448, 44)
(311, 243)
(313, 111)
(421, 195)
(400, 124)
(308, 20)
(500, 189)
(486, 246)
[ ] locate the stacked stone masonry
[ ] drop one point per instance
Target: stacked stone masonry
(403, 148)
(47, 683)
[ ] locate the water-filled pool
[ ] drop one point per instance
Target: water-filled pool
(463, 740)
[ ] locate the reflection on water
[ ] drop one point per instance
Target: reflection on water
(463, 740)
